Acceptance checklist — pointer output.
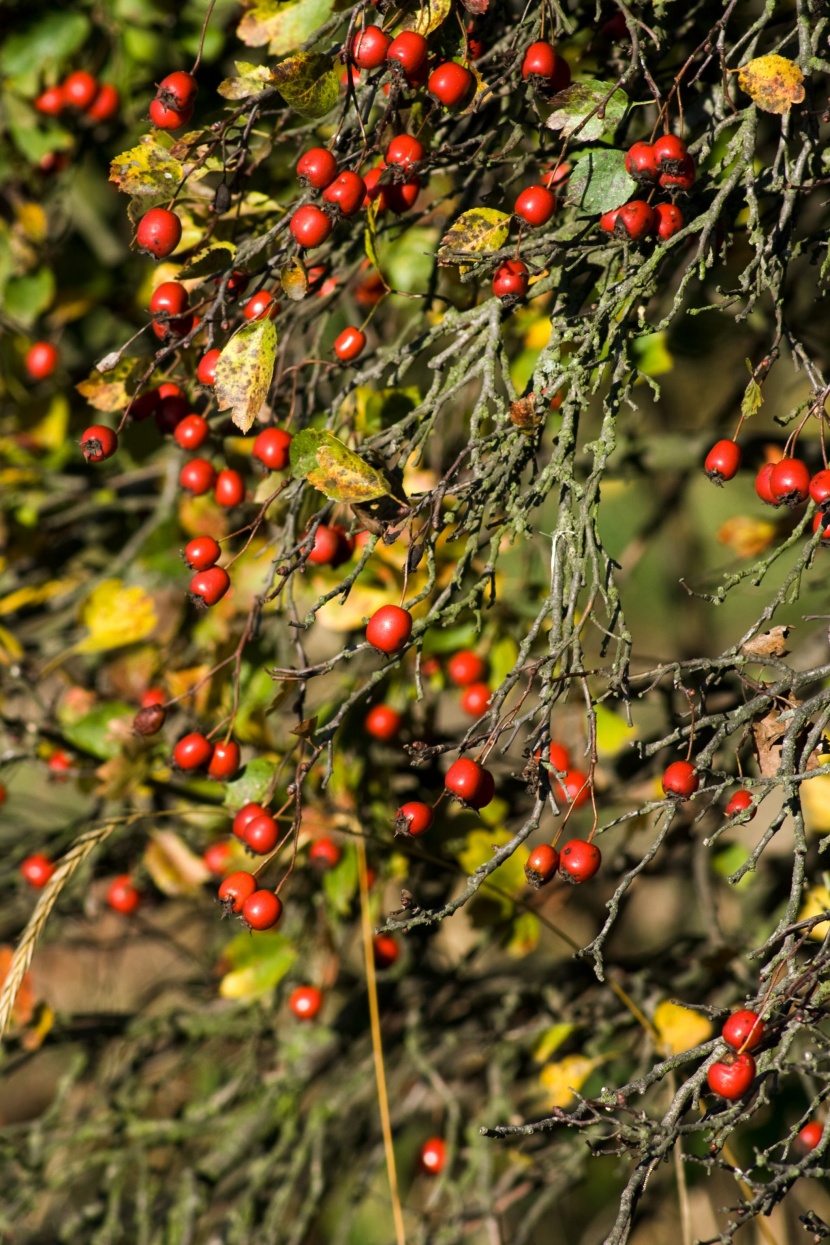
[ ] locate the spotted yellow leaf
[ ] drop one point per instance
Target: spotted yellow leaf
(115, 615)
(773, 82)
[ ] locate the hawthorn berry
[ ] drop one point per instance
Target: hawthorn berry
(475, 699)
(579, 861)
(244, 816)
(545, 68)
(744, 1030)
(229, 489)
(41, 360)
(451, 84)
(197, 476)
(789, 481)
(106, 104)
(635, 220)
(821, 521)
(172, 409)
(383, 722)
(762, 484)
(261, 306)
(820, 489)
(271, 447)
(722, 461)
(535, 205)
(164, 117)
(206, 369)
(470, 782)
(122, 895)
(559, 757)
(414, 818)
(149, 720)
(669, 153)
(153, 696)
(235, 890)
(4, 795)
(386, 950)
(37, 869)
(433, 1156)
(466, 667)
(349, 344)
(79, 90)
(739, 803)
(224, 762)
(170, 298)
(404, 151)
(51, 102)
(641, 163)
(305, 1002)
(681, 179)
(346, 193)
(681, 779)
(178, 90)
(575, 787)
(332, 546)
(399, 197)
(541, 866)
(732, 1076)
(317, 168)
(262, 910)
(193, 751)
(668, 220)
(369, 47)
(309, 226)
(510, 281)
(60, 762)
(192, 432)
(389, 629)
(208, 587)
(324, 853)
(809, 1136)
(608, 221)
(217, 856)
(261, 835)
(409, 49)
(159, 232)
(98, 443)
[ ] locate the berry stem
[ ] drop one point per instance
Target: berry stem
(198, 59)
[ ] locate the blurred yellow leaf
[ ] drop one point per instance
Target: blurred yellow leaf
(509, 877)
(525, 935)
(35, 595)
(551, 1040)
(564, 1079)
(32, 219)
(174, 868)
(773, 82)
(257, 964)
(746, 537)
(538, 334)
(613, 732)
(181, 681)
(50, 432)
(10, 647)
(115, 615)
(816, 901)
(815, 803)
(679, 1028)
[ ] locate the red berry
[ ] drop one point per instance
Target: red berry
(739, 803)
(579, 861)
(433, 1156)
(217, 856)
(178, 90)
(309, 226)
(262, 910)
(122, 895)
(668, 220)
(475, 699)
(466, 667)
(547, 69)
(635, 220)
(236, 889)
(197, 476)
(409, 50)
(789, 481)
(51, 102)
(669, 153)
(681, 179)
(820, 488)
(59, 762)
(324, 853)
(451, 84)
(369, 47)
(229, 489)
(541, 865)
(4, 795)
(193, 751)
(168, 299)
(822, 521)
(414, 818)
(305, 1002)
(224, 762)
(243, 818)
(149, 720)
(681, 779)
(164, 117)
(744, 1030)
(317, 168)
(510, 280)
(172, 409)
(732, 1076)
(349, 344)
(346, 193)
(208, 587)
(608, 221)
(106, 104)
(386, 950)
(159, 232)
(722, 461)
(383, 722)
(399, 197)
(80, 89)
(192, 432)
(271, 447)
(332, 546)
(560, 758)
(809, 1136)
(98, 443)
(261, 835)
(206, 370)
(575, 787)
(762, 484)
(41, 360)
(389, 629)
(404, 151)
(261, 306)
(640, 162)
(37, 869)
(153, 696)
(535, 205)
(470, 782)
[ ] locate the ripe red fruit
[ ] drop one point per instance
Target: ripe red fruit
(545, 67)
(451, 84)
(762, 484)
(332, 546)
(349, 344)
(168, 299)
(208, 587)
(235, 890)
(383, 722)
(722, 461)
(159, 232)
(317, 168)
(575, 787)
(640, 162)
(261, 306)
(122, 895)
(681, 179)
(172, 409)
(271, 447)
(98, 443)
(37, 869)
(560, 757)
(369, 47)
(789, 481)
(739, 803)
(309, 226)
(670, 153)
(399, 197)
(59, 763)
(820, 489)
(244, 817)
(732, 1076)
(635, 219)
(164, 117)
(475, 699)
(608, 221)
(262, 910)
(324, 853)
(579, 861)
(510, 280)
(206, 371)
(470, 782)
(41, 360)
(822, 521)
(809, 1136)
(229, 489)
(261, 835)
(149, 720)
(79, 89)
(386, 950)
(224, 762)
(51, 102)
(193, 751)
(197, 476)
(192, 432)
(4, 795)
(305, 1002)
(743, 1030)
(404, 150)
(153, 696)
(465, 667)
(535, 205)
(389, 629)
(217, 856)
(433, 1156)
(409, 50)
(414, 818)
(178, 90)
(681, 779)
(668, 220)
(541, 865)
(346, 193)
(105, 105)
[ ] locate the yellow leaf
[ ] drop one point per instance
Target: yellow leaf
(115, 615)
(244, 371)
(32, 219)
(476, 232)
(745, 536)
(551, 1040)
(679, 1028)
(816, 901)
(10, 648)
(50, 432)
(510, 876)
(174, 868)
(564, 1079)
(24, 597)
(429, 16)
(613, 732)
(525, 935)
(815, 803)
(773, 82)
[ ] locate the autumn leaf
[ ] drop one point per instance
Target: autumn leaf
(257, 965)
(244, 371)
(429, 16)
(587, 107)
(564, 1079)
(308, 83)
(772, 643)
(679, 1028)
(334, 469)
(174, 868)
(146, 169)
(294, 280)
(115, 615)
(773, 82)
(816, 901)
(283, 26)
(107, 391)
(477, 232)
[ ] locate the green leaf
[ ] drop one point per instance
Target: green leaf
(578, 101)
(334, 469)
(753, 398)
(478, 232)
(258, 964)
(308, 83)
(375, 409)
(215, 259)
(146, 169)
(244, 371)
(108, 391)
(503, 654)
(28, 297)
(283, 27)
(652, 354)
(340, 883)
(33, 137)
(251, 787)
(103, 731)
(252, 80)
(599, 182)
(44, 46)
(294, 280)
